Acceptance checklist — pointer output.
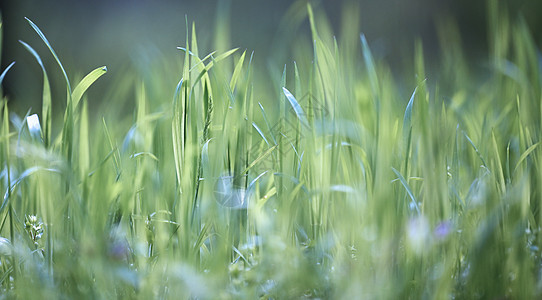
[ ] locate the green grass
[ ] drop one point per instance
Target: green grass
(335, 184)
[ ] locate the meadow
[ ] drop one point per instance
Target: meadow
(326, 182)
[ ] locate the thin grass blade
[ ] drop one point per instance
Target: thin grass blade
(297, 108)
(46, 110)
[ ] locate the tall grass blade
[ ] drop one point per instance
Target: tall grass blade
(44, 39)
(176, 128)
(407, 119)
(237, 71)
(46, 111)
(408, 190)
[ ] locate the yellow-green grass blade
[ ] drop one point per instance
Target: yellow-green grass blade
(114, 148)
(525, 154)
(85, 83)
(84, 142)
(210, 65)
(498, 167)
(260, 158)
(237, 71)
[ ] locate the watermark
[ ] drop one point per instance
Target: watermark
(287, 131)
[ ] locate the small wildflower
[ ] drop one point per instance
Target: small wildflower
(34, 228)
(118, 247)
(118, 250)
(442, 230)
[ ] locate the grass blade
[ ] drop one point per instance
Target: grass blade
(85, 83)
(525, 154)
(46, 110)
(260, 158)
(408, 189)
(297, 108)
(5, 72)
(407, 119)
(476, 150)
(237, 71)
(44, 39)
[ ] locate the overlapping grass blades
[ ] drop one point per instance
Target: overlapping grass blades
(339, 184)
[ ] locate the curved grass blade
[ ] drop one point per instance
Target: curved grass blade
(67, 128)
(44, 39)
(142, 154)
(237, 71)
(260, 132)
(525, 154)
(46, 109)
(5, 72)
(25, 174)
(253, 182)
(407, 188)
(211, 64)
(297, 108)
(199, 61)
(85, 83)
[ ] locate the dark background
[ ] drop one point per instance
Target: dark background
(88, 34)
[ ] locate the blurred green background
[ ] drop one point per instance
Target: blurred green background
(351, 198)
(133, 35)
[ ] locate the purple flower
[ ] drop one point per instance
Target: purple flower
(442, 230)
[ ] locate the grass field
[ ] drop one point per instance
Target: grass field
(325, 182)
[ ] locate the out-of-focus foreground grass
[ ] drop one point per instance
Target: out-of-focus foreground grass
(324, 182)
